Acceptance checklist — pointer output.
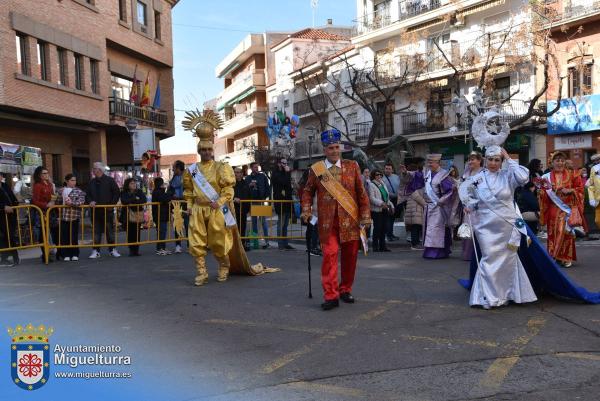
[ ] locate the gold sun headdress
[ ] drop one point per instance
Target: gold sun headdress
(203, 125)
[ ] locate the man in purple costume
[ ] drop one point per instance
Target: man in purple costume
(440, 191)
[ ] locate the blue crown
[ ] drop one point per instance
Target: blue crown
(331, 136)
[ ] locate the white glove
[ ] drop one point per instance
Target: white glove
(593, 203)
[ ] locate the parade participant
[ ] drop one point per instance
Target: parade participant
(510, 261)
(593, 186)
(488, 196)
(343, 212)
(440, 192)
(561, 197)
(474, 166)
(208, 191)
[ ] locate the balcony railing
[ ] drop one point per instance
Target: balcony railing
(373, 21)
(361, 131)
(412, 8)
(384, 17)
(580, 10)
(123, 108)
(303, 106)
(436, 120)
(302, 147)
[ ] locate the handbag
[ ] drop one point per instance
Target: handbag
(464, 231)
(136, 216)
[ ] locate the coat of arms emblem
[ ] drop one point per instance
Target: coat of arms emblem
(30, 355)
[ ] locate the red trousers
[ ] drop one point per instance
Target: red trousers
(329, 269)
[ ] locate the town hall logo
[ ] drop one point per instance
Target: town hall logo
(30, 356)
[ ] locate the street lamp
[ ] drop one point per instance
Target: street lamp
(131, 125)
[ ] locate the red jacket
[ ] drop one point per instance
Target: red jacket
(327, 205)
(42, 194)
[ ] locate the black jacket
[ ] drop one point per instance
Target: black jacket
(262, 189)
(242, 191)
(103, 191)
(8, 198)
(282, 190)
(163, 197)
(528, 202)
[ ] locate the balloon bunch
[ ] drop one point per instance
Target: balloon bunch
(281, 126)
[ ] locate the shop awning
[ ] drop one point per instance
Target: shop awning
(235, 100)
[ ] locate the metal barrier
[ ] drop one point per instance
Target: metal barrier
(63, 227)
(23, 229)
(271, 211)
(109, 221)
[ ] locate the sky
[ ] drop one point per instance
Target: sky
(205, 31)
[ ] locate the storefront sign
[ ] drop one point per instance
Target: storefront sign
(575, 115)
(573, 142)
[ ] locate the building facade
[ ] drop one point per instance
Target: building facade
(451, 36)
(67, 71)
(575, 127)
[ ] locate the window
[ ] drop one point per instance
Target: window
(286, 103)
(62, 67)
(123, 10)
(157, 33)
(94, 76)
(580, 80)
(501, 88)
(121, 87)
(387, 109)
(141, 13)
(23, 54)
(78, 71)
(42, 55)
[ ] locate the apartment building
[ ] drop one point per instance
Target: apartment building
(461, 29)
(242, 103)
(300, 56)
(67, 71)
(575, 128)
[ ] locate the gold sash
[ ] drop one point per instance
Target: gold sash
(339, 193)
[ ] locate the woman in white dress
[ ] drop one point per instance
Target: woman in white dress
(497, 224)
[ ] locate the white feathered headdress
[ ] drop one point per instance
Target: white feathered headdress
(485, 131)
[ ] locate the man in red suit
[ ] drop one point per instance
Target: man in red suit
(343, 212)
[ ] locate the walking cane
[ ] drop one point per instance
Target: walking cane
(308, 249)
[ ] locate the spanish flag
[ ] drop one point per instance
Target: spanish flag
(146, 93)
(134, 95)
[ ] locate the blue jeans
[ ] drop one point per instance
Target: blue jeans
(264, 226)
(161, 231)
(282, 226)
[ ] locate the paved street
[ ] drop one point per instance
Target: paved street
(410, 336)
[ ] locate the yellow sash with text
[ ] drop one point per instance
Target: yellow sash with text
(339, 193)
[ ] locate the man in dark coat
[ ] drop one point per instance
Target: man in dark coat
(259, 190)
(282, 191)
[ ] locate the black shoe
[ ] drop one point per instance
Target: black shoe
(265, 246)
(328, 305)
(347, 297)
(288, 247)
(385, 250)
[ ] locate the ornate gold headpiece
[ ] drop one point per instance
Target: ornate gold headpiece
(203, 125)
(30, 333)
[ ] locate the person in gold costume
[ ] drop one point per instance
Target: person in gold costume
(208, 207)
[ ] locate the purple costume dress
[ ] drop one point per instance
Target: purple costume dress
(440, 191)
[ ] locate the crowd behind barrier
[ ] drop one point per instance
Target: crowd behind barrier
(77, 227)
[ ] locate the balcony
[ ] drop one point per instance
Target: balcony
(146, 116)
(412, 8)
(580, 11)
(302, 148)
(320, 103)
(360, 132)
(243, 122)
(242, 86)
(373, 21)
(436, 120)
(251, 44)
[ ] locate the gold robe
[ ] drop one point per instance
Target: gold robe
(207, 226)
